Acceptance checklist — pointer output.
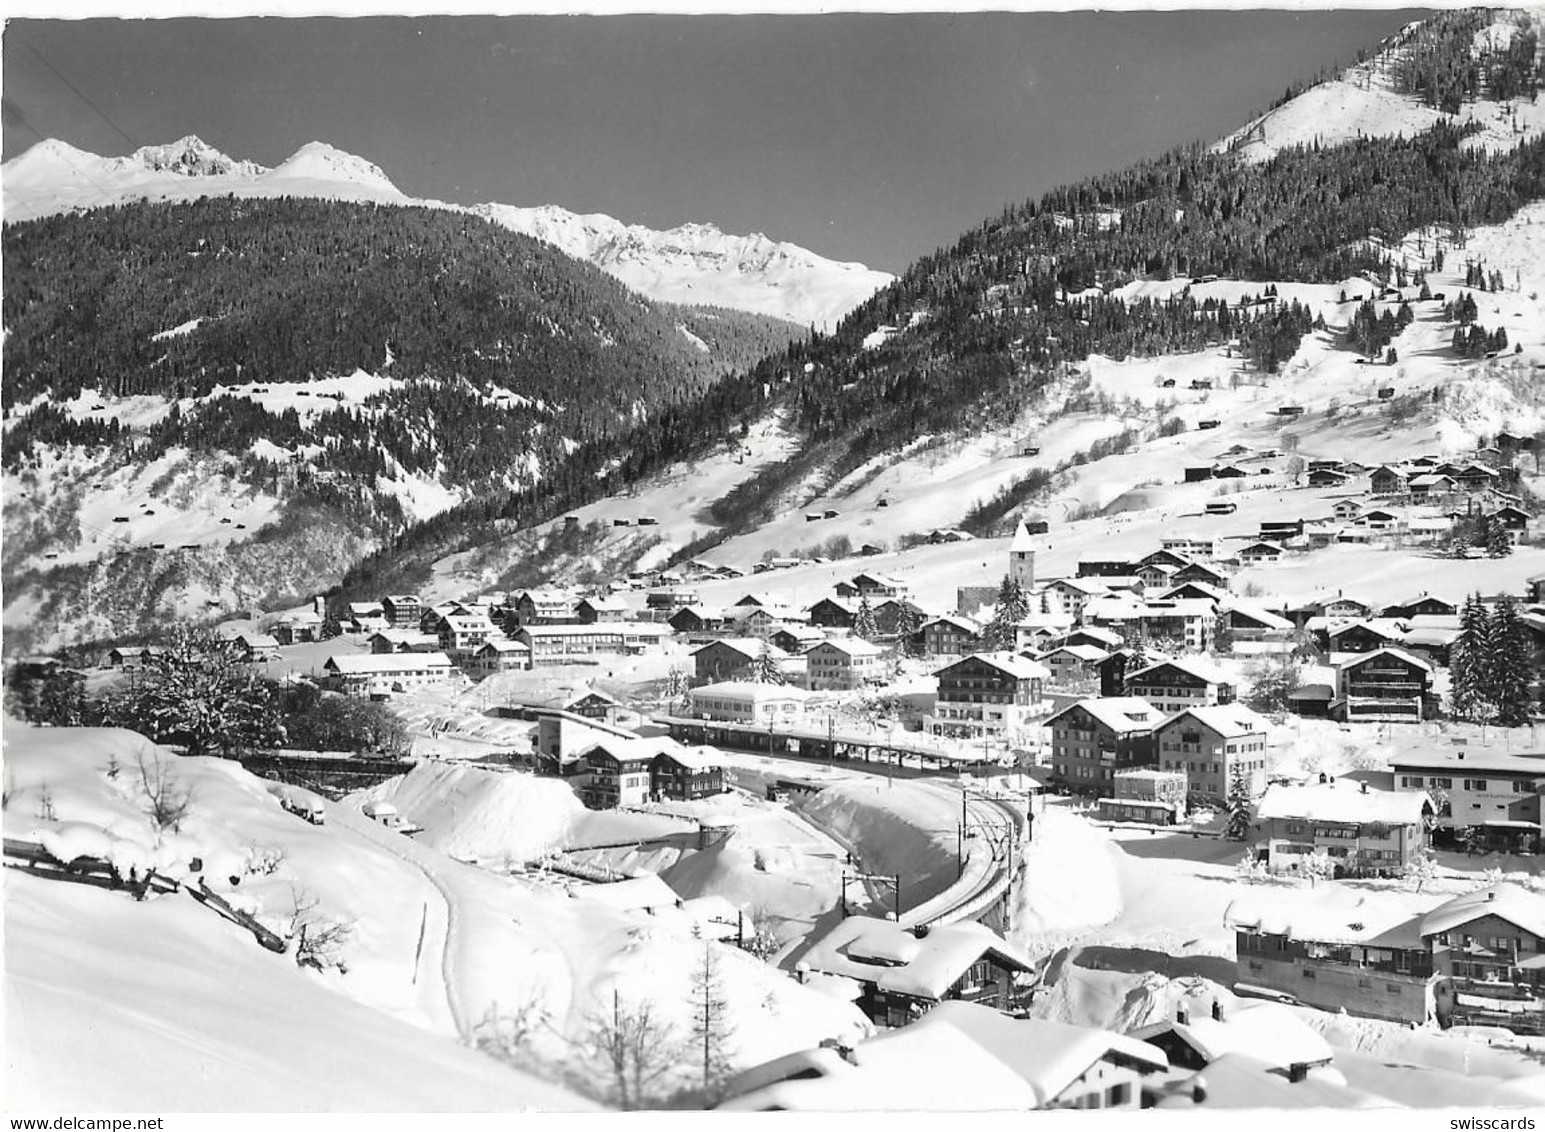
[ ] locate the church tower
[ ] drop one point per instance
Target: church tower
(1022, 559)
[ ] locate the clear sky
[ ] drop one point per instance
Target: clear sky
(868, 137)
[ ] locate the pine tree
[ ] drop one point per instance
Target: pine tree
(907, 624)
(1513, 654)
(863, 622)
(1241, 810)
(1471, 664)
(1499, 542)
(764, 669)
(1002, 632)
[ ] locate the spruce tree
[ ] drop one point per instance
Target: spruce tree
(1013, 607)
(907, 624)
(863, 622)
(1499, 542)
(1471, 665)
(1241, 811)
(1513, 657)
(764, 669)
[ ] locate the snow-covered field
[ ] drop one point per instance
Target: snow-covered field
(436, 949)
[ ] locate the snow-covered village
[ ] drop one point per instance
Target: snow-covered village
(492, 658)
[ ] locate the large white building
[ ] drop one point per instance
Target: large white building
(740, 701)
(380, 673)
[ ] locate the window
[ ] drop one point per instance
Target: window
(1477, 784)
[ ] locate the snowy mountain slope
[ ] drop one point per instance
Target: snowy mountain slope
(697, 263)
(98, 961)
(932, 485)
(694, 264)
(1363, 102)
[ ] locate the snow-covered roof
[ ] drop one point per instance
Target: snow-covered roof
(1378, 919)
(694, 758)
(1023, 543)
(1267, 1031)
(1086, 654)
(405, 637)
(502, 646)
(746, 646)
(1342, 802)
(1227, 720)
(1110, 637)
(1512, 902)
(851, 646)
(1119, 713)
(1049, 1055)
(860, 947)
(636, 747)
(370, 664)
(1258, 613)
(748, 690)
(1238, 1081)
(612, 604)
(1364, 657)
(963, 623)
(1454, 761)
(1203, 670)
(258, 640)
(1011, 663)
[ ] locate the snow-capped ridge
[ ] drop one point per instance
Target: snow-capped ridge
(190, 156)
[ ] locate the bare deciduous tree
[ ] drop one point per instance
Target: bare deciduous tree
(319, 939)
(635, 1047)
(168, 800)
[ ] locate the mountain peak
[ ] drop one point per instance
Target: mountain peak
(189, 156)
(319, 161)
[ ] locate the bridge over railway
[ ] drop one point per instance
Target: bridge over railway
(330, 775)
(915, 754)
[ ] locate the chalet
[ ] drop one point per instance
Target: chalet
(1495, 795)
(760, 621)
(843, 665)
(795, 640)
(1229, 472)
(1380, 520)
(617, 771)
(903, 974)
(595, 610)
(1163, 557)
(992, 693)
(1475, 960)
(1210, 745)
(871, 586)
(1476, 477)
(499, 655)
(372, 674)
(1198, 474)
(1190, 624)
(1385, 684)
(950, 635)
(740, 701)
(1281, 530)
(130, 656)
(1328, 477)
(731, 658)
(1260, 553)
(1269, 1034)
(1347, 509)
(684, 774)
(299, 628)
(1176, 685)
(1423, 605)
(403, 640)
(953, 534)
(1156, 797)
(1429, 485)
(1362, 831)
(1330, 607)
(1112, 672)
(1385, 480)
(832, 613)
(1536, 588)
(889, 616)
(1322, 465)
(462, 635)
(699, 619)
(1093, 635)
(1219, 507)
(402, 611)
(586, 702)
(1290, 411)
(256, 648)
(1359, 636)
(1250, 624)
(544, 606)
(1073, 666)
(1155, 575)
(1094, 738)
(1191, 547)
(1208, 424)
(1071, 595)
(1512, 518)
